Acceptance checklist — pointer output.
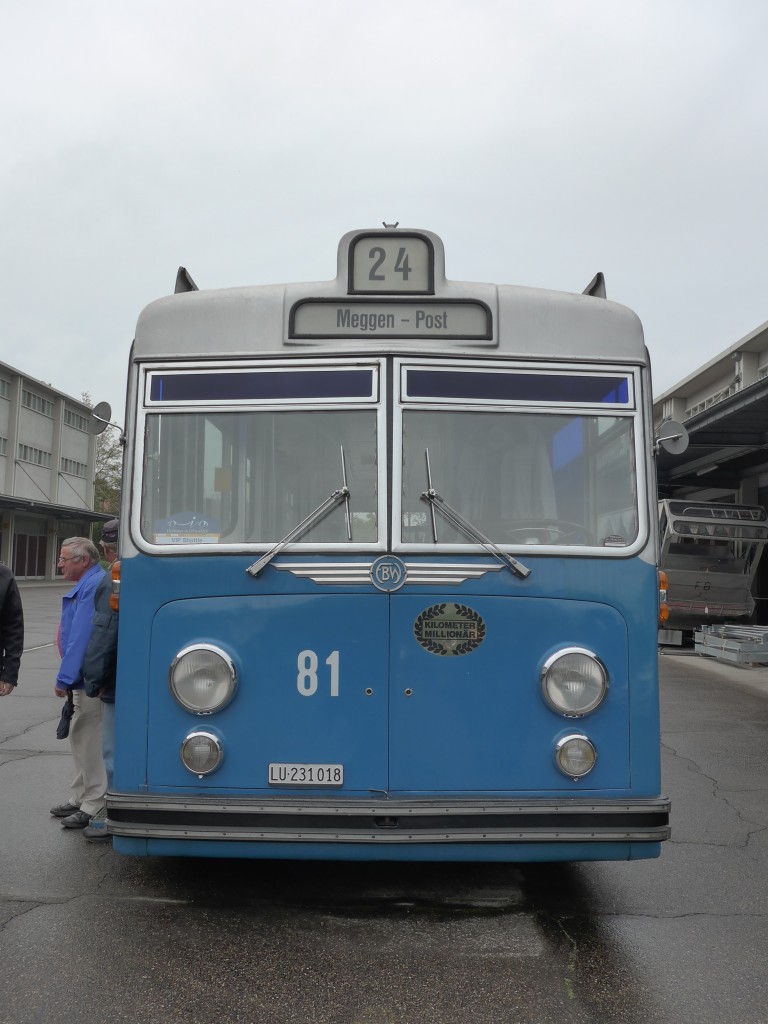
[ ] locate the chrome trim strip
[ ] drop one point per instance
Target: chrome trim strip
(381, 836)
(356, 573)
(350, 806)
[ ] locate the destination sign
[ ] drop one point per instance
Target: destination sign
(401, 319)
(387, 262)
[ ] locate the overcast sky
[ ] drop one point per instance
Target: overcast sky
(542, 141)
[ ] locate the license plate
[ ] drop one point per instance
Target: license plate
(306, 774)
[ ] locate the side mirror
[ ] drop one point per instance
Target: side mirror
(672, 437)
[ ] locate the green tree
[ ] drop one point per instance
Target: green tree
(108, 469)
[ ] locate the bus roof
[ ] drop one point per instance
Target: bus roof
(443, 316)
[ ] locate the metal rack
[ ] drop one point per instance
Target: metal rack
(741, 644)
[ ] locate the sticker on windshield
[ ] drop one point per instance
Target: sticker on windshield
(187, 528)
(449, 629)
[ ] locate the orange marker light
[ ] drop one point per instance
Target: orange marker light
(114, 597)
(663, 605)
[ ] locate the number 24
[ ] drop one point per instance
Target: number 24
(306, 679)
(402, 266)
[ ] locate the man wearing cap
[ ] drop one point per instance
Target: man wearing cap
(100, 668)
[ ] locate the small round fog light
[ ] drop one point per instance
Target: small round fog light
(201, 753)
(575, 756)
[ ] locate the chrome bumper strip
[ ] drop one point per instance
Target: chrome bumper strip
(387, 821)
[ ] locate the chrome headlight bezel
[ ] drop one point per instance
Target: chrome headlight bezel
(176, 684)
(548, 683)
(559, 752)
(216, 745)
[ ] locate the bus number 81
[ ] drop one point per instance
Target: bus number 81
(306, 680)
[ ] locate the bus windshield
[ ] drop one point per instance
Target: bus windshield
(521, 478)
(251, 477)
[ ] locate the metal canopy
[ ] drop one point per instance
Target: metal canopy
(728, 441)
(63, 512)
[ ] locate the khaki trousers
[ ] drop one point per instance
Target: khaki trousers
(90, 783)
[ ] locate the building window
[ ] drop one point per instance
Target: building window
(36, 456)
(3, 445)
(73, 468)
(74, 419)
(5, 388)
(36, 402)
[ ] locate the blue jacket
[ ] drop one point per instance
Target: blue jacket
(76, 626)
(100, 661)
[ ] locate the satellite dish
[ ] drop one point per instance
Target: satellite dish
(672, 437)
(101, 417)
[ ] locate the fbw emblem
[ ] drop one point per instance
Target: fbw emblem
(388, 573)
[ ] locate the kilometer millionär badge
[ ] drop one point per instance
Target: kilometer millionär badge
(449, 629)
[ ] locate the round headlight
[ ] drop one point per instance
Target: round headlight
(202, 679)
(201, 753)
(575, 756)
(574, 682)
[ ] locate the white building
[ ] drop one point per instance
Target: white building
(724, 406)
(47, 457)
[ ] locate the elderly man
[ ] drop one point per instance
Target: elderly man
(11, 631)
(100, 668)
(79, 561)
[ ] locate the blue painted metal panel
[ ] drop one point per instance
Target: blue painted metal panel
(474, 724)
(271, 718)
(477, 721)
(520, 853)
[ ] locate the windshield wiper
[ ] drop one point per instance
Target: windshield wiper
(333, 499)
(339, 495)
(436, 501)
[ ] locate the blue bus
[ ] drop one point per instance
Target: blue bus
(388, 586)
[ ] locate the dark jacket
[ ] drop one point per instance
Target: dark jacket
(11, 627)
(100, 662)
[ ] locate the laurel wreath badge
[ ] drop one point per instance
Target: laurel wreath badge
(435, 627)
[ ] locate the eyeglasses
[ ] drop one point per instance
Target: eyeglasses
(71, 558)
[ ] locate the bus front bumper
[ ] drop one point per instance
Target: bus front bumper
(387, 821)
